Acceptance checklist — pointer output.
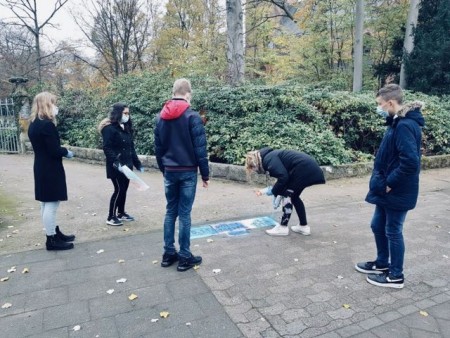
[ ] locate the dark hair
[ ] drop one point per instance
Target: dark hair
(391, 92)
(116, 115)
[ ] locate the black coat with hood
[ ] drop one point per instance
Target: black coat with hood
(293, 169)
(397, 163)
(118, 147)
(49, 175)
(180, 139)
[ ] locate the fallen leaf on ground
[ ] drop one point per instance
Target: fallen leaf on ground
(12, 269)
(121, 261)
(110, 291)
(154, 262)
(209, 240)
(122, 280)
(77, 328)
(154, 320)
(4, 279)
(132, 296)
(164, 314)
(100, 251)
(196, 267)
(424, 313)
(126, 229)
(217, 271)
(346, 306)
(6, 305)
(25, 270)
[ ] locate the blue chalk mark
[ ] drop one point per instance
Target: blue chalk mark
(236, 228)
(203, 231)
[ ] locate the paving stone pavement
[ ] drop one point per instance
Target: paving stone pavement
(294, 286)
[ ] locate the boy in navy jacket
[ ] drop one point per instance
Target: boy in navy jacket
(394, 185)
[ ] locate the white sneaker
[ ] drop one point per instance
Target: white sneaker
(278, 230)
(305, 230)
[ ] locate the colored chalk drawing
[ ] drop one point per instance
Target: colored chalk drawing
(234, 228)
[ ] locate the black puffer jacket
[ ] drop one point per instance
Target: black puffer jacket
(118, 146)
(180, 139)
(293, 169)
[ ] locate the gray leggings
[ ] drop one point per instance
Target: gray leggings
(48, 213)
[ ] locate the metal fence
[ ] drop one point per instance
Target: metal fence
(9, 130)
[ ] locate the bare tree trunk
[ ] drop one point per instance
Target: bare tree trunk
(235, 42)
(408, 44)
(25, 12)
(358, 47)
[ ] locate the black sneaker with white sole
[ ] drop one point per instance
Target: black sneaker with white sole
(370, 267)
(386, 280)
(125, 217)
(114, 221)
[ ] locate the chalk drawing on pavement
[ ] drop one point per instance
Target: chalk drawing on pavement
(233, 228)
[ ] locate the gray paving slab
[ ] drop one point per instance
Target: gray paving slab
(294, 286)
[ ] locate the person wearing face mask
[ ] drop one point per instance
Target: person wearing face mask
(118, 146)
(49, 176)
(394, 185)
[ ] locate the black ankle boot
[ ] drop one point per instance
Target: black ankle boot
(56, 243)
(65, 238)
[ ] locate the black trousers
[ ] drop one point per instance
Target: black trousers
(119, 196)
(298, 205)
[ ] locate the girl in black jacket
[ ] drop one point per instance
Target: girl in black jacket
(49, 176)
(294, 172)
(118, 147)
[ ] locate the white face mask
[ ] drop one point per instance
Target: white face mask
(55, 110)
(382, 112)
(125, 118)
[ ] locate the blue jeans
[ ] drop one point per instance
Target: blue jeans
(180, 190)
(387, 227)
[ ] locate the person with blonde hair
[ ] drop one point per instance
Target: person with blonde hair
(294, 172)
(49, 176)
(180, 148)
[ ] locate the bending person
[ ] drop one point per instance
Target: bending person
(294, 172)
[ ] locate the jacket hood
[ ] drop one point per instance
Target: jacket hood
(103, 124)
(413, 111)
(264, 151)
(173, 109)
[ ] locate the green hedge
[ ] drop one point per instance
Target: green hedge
(334, 126)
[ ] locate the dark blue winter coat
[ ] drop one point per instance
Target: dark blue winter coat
(397, 164)
(180, 139)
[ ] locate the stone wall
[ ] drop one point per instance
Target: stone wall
(238, 173)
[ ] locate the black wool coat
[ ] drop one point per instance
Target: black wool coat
(118, 146)
(293, 170)
(49, 175)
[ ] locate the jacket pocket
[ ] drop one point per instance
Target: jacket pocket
(377, 183)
